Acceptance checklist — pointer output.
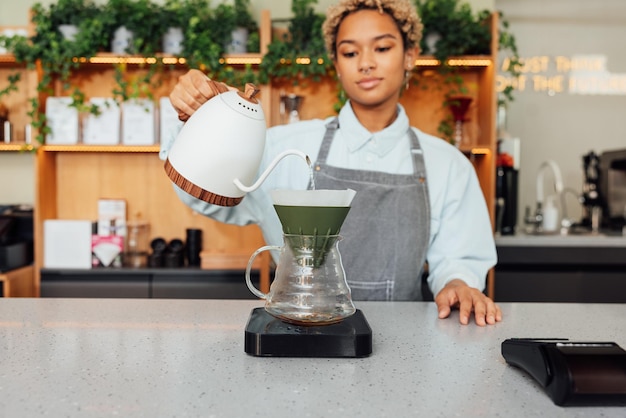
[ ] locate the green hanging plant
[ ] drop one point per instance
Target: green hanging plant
(13, 79)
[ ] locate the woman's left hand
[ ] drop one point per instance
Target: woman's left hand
(458, 295)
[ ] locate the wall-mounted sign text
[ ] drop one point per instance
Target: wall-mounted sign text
(578, 74)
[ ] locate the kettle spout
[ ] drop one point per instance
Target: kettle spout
(272, 165)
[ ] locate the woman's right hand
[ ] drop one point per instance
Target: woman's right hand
(192, 90)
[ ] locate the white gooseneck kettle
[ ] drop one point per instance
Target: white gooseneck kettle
(219, 149)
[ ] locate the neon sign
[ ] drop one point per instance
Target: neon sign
(578, 74)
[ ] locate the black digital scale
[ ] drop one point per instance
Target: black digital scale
(572, 373)
(268, 336)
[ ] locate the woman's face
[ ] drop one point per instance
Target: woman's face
(371, 60)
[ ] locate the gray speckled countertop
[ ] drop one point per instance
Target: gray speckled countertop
(185, 358)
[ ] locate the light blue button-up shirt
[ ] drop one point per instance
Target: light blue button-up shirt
(461, 244)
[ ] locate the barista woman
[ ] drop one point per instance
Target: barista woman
(418, 199)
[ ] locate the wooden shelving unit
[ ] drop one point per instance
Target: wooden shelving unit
(71, 179)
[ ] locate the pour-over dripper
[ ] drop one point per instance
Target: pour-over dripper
(316, 213)
(312, 212)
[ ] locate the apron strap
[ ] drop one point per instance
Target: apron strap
(331, 128)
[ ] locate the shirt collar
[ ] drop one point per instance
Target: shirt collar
(380, 142)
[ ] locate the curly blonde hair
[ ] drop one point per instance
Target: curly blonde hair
(402, 11)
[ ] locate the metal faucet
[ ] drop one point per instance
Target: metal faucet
(536, 220)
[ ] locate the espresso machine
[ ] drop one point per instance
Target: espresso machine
(604, 190)
(506, 191)
(591, 198)
(612, 186)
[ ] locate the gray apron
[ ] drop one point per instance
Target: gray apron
(386, 232)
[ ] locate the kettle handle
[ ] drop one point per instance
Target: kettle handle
(253, 289)
(272, 165)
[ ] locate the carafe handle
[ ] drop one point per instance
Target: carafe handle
(253, 289)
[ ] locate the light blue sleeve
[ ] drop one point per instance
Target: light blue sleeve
(461, 239)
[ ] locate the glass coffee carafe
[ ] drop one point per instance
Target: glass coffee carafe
(309, 286)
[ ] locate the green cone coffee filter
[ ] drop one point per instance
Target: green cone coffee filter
(312, 219)
(312, 212)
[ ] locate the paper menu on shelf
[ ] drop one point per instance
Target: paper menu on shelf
(138, 122)
(62, 119)
(103, 129)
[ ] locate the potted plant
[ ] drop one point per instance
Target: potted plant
(304, 39)
(175, 16)
(68, 15)
(452, 29)
(245, 25)
(133, 26)
(206, 40)
(50, 46)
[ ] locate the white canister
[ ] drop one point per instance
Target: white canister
(239, 41)
(173, 41)
(122, 41)
(69, 32)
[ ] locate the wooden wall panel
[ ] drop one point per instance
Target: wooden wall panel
(83, 178)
